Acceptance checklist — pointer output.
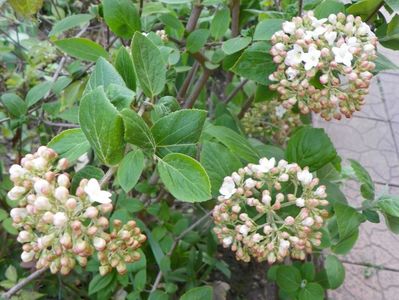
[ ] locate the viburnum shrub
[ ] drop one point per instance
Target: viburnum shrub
(165, 149)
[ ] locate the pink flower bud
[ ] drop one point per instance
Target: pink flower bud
(289, 221)
(61, 193)
(63, 164)
(91, 212)
(27, 256)
(99, 243)
(48, 217)
(60, 219)
(71, 203)
(63, 180)
(42, 187)
(42, 203)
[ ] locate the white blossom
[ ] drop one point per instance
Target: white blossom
(280, 111)
(343, 55)
(291, 73)
(305, 177)
(244, 229)
(294, 56)
(289, 27)
(228, 187)
(227, 241)
(93, 190)
(300, 202)
(60, 219)
(311, 58)
(27, 256)
(330, 37)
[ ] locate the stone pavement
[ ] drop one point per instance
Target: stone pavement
(372, 138)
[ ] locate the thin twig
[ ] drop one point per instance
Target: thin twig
(107, 177)
(11, 292)
(369, 265)
(194, 16)
(187, 82)
(300, 8)
(57, 124)
(174, 245)
(235, 18)
(235, 91)
(197, 89)
(245, 107)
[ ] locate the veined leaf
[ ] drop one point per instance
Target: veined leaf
(130, 169)
(81, 48)
(70, 22)
(71, 144)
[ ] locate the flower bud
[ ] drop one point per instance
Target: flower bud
(60, 219)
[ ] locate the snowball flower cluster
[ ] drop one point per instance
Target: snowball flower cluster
(59, 228)
(270, 122)
(269, 211)
(323, 65)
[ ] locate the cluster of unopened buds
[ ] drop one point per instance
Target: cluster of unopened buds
(59, 228)
(324, 65)
(270, 122)
(269, 211)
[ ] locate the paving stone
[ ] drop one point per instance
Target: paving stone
(368, 141)
(390, 89)
(365, 283)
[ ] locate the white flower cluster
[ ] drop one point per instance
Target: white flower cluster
(269, 211)
(57, 228)
(270, 122)
(324, 65)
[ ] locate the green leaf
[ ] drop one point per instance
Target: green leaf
(120, 96)
(99, 282)
(26, 7)
(272, 272)
(14, 104)
(255, 63)
(130, 169)
(198, 293)
(265, 29)
(103, 74)
(81, 48)
(11, 274)
(233, 141)
(38, 92)
(158, 295)
(363, 8)
(236, 44)
(343, 246)
(335, 271)
(367, 184)
(310, 147)
(312, 291)
(371, 215)
(393, 4)
(220, 23)
(103, 126)
(308, 271)
(140, 280)
(70, 22)
(7, 225)
(184, 177)
(348, 219)
(164, 106)
(136, 130)
(389, 204)
(179, 131)
(87, 172)
(3, 214)
(218, 162)
(392, 223)
(288, 278)
(196, 40)
(149, 65)
(327, 7)
(71, 144)
(124, 65)
(122, 17)
(382, 63)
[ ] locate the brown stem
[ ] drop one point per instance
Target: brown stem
(300, 7)
(235, 18)
(187, 82)
(15, 289)
(193, 19)
(235, 91)
(197, 89)
(245, 107)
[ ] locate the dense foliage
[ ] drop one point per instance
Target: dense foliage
(147, 145)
